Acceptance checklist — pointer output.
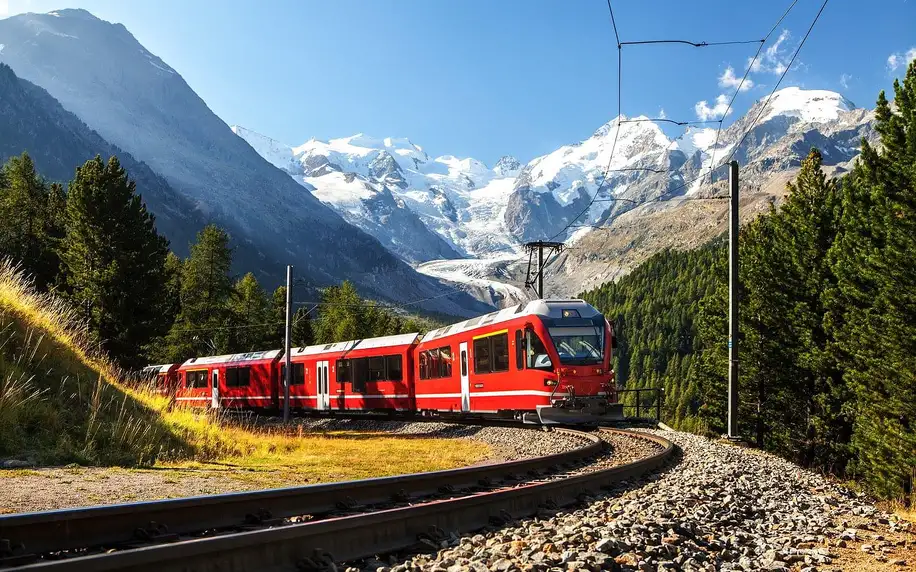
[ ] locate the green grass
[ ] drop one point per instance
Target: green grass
(63, 401)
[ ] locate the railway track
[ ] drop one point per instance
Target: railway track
(310, 527)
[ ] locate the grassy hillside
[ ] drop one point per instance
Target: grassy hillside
(62, 401)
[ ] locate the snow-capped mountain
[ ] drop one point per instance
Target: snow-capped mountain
(461, 201)
(769, 151)
(619, 171)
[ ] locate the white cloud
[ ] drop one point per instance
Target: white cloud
(729, 80)
(661, 114)
(844, 80)
(775, 58)
(4, 8)
(900, 59)
(705, 112)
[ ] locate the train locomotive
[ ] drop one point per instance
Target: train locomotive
(545, 362)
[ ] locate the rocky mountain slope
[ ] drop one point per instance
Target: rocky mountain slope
(364, 200)
(99, 72)
(794, 121)
(33, 121)
(461, 201)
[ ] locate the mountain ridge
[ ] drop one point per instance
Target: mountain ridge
(544, 196)
(100, 73)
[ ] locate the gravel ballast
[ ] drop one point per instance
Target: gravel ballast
(722, 507)
(507, 443)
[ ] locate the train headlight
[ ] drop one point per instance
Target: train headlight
(549, 382)
(599, 371)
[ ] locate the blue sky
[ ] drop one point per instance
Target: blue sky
(486, 78)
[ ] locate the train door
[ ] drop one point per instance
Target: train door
(465, 379)
(214, 395)
(324, 399)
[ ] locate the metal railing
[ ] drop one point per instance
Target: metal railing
(641, 405)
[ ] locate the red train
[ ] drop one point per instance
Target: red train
(547, 361)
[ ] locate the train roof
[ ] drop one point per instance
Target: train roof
(164, 368)
(544, 308)
(234, 358)
(364, 344)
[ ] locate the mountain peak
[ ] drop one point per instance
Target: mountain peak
(507, 165)
(810, 105)
(75, 13)
(607, 127)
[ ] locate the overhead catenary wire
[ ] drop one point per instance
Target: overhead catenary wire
(781, 77)
(694, 44)
(719, 121)
(616, 131)
(750, 66)
(620, 45)
(747, 72)
(666, 120)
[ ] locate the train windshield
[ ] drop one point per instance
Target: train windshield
(580, 345)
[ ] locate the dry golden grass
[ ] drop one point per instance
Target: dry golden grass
(283, 460)
(899, 508)
(63, 400)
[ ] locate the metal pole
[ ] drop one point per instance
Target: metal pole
(733, 302)
(287, 358)
(541, 270)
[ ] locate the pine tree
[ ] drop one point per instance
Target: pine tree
(158, 350)
(302, 328)
(277, 334)
(251, 317)
(114, 260)
(872, 313)
(203, 324)
(342, 315)
(31, 222)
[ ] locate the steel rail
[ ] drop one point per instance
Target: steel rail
(110, 525)
(306, 546)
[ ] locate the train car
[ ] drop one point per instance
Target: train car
(547, 361)
(370, 375)
(163, 377)
(247, 380)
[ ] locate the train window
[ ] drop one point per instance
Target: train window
(238, 376)
(538, 357)
(500, 352)
(343, 371)
(445, 362)
(491, 354)
(519, 351)
(482, 355)
(298, 374)
(377, 369)
(424, 365)
(464, 364)
(434, 361)
(359, 373)
(196, 379)
(395, 373)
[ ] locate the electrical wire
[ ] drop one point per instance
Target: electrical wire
(666, 120)
(781, 77)
(694, 44)
(747, 72)
(616, 131)
(750, 66)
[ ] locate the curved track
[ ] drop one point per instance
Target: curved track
(309, 527)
